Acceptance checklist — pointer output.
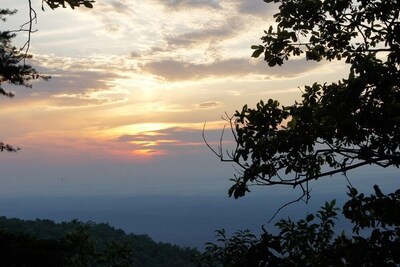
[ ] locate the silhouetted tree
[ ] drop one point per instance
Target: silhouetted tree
(336, 127)
(312, 241)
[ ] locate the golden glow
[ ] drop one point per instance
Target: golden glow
(153, 129)
(142, 128)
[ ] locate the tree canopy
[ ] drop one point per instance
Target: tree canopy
(336, 126)
(312, 241)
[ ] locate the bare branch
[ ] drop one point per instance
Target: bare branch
(208, 145)
(287, 204)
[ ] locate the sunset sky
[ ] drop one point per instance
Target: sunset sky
(133, 83)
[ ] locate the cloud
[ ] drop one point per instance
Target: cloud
(184, 4)
(179, 70)
(85, 99)
(208, 105)
(175, 70)
(120, 6)
(211, 32)
(170, 139)
(73, 83)
(114, 6)
(158, 142)
(255, 7)
(76, 82)
(116, 17)
(181, 140)
(134, 54)
(76, 89)
(66, 86)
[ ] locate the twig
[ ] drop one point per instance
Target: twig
(208, 145)
(287, 204)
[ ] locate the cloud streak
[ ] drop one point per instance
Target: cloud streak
(184, 4)
(175, 70)
(176, 139)
(208, 105)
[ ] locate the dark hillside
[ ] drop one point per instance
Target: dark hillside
(75, 243)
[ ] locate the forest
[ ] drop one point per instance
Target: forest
(43, 242)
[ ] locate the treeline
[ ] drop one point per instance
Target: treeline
(76, 243)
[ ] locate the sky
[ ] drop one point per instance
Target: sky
(133, 83)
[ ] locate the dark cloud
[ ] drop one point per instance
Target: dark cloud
(74, 87)
(71, 76)
(208, 105)
(72, 82)
(255, 7)
(179, 70)
(134, 54)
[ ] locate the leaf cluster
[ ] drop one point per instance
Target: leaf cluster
(330, 30)
(312, 242)
(53, 4)
(228, 251)
(13, 69)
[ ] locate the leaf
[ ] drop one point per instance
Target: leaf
(257, 53)
(259, 49)
(88, 4)
(378, 191)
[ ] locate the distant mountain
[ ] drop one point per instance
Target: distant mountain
(76, 243)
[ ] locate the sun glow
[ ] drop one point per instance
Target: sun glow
(142, 128)
(153, 143)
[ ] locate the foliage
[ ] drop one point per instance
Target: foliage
(24, 250)
(231, 252)
(13, 67)
(312, 241)
(72, 3)
(335, 127)
(76, 244)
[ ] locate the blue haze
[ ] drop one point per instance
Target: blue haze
(188, 215)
